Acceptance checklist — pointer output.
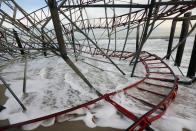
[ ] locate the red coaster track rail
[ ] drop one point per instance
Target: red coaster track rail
(155, 78)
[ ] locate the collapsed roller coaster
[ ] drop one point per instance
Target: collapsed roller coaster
(66, 25)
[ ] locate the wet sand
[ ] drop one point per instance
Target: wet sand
(69, 126)
(64, 126)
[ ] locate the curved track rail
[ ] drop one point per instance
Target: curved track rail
(156, 90)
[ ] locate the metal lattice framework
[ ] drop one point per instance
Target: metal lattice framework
(35, 29)
(72, 25)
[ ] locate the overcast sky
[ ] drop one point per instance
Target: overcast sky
(31, 5)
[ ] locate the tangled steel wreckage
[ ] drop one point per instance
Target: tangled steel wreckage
(100, 70)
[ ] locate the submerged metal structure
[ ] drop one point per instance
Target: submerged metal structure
(79, 25)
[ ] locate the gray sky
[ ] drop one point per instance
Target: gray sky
(31, 5)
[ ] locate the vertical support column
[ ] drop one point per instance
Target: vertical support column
(184, 32)
(18, 42)
(44, 44)
(25, 76)
(171, 37)
(72, 33)
(137, 37)
(192, 65)
(114, 25)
